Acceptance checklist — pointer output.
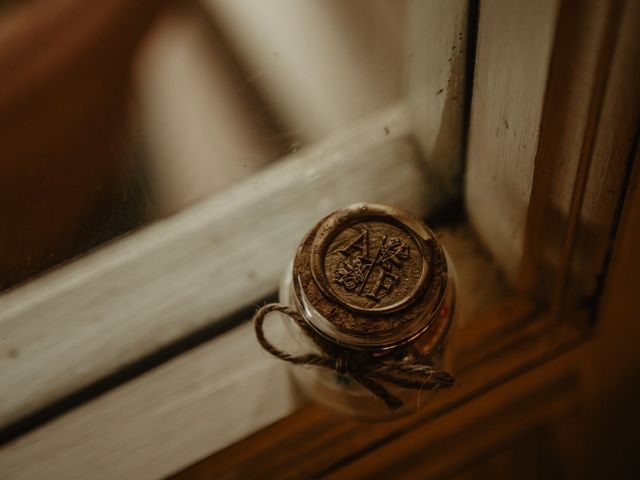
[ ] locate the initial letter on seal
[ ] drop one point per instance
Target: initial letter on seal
(361, 243)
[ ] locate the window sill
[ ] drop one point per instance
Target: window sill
(227, 389)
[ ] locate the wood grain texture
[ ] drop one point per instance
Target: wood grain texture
(514, 47)
(480, 282)
(614, 143)
(612, 366)
(573, 100)
(90, 318)
(203, 400)
(453, 442)
(437, 75)
(504, 343)
(163, 421)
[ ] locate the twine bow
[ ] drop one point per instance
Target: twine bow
(360, 366)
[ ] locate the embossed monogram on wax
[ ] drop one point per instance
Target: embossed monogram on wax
(371, 273)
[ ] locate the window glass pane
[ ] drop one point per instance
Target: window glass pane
(118, 114)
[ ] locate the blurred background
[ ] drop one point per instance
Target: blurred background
(116, 114)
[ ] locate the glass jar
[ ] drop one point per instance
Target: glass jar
(374, 283)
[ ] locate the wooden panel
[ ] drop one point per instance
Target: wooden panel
(205, 399)
(170, 416)
(514, 47)
(590, 237)
(90, 318)
(579, 170)
(527, 456)
(608, 434)
(314, 441)
(477, 430)
(437, 76)
(550, 139)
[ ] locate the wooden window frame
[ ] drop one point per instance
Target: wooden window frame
(142, 293)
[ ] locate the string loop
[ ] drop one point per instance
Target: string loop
(360, 366)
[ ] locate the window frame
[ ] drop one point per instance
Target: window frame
(195, 420)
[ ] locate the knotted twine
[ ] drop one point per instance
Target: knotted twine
(362, 367)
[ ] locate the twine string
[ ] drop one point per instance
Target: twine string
(360, 366)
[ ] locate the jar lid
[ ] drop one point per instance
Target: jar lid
(370, 276)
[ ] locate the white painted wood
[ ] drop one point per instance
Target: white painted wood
(199, 402)
(514, 46)
(573, 96)
(437, 64)
(157, 424)
(83, 321)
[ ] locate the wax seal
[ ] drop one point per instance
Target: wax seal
(370, 258)
(372, 273)
(366, 310)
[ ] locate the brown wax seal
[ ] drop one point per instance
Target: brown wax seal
(369, 259)
(373, 271)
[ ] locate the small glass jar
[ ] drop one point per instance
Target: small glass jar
(373, 281)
